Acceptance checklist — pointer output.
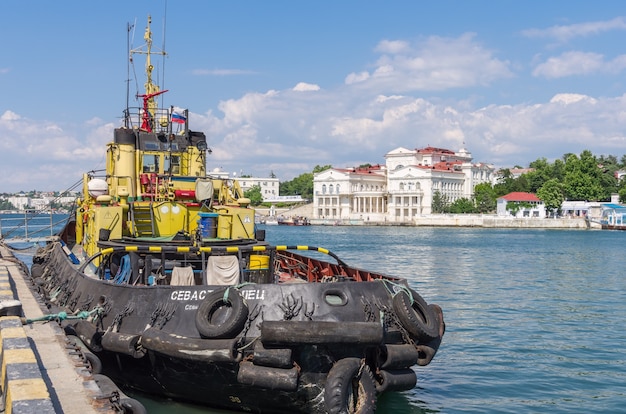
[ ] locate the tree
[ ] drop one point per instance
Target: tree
(302, 185)
(506, 184)
(319, 168)
(440, 203)
(551, 193)
(462, 206)
(6, 205)
(485, 198)
(254, 194)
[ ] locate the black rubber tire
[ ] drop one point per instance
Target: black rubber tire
(36, 270)
(216, 318)
(132, 406)
(95, 365)
(418, 318)
(350, 389)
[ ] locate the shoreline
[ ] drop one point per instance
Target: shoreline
(442, 220)
(463, 220)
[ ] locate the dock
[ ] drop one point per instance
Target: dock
(41, 372)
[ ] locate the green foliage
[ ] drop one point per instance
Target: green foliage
(302, 185)
(440, 203)
(6, 205)
(551, 193)
(462, 206)
(515, 206)
(584, 177)
(319, 168)
(254, 194)
(485, 198)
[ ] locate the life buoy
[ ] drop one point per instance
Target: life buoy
(220, 317)
(350, 388)
(417, 318)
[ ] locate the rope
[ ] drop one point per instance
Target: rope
(236, 287)
(61, 316)
(400, 287)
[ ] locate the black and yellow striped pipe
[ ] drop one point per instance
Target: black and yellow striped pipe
(209, 249)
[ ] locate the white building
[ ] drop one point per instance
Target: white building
(269, 186)
(350, 193)
(19, 201)
(400, 190)
(529, 205)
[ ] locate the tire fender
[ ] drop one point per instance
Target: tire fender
(418, 318)
(222, 314)
(350, 388)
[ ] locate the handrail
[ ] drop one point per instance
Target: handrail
(206, 249)
(29, 227)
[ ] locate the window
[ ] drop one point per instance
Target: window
(150, 163)
(323, 188)
(175, 164)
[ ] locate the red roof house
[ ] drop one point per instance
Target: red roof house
(523, 205)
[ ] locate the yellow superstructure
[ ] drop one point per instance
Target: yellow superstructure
(155, 184)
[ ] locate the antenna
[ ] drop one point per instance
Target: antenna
(152, 90)
(129, 27)
(163, 47)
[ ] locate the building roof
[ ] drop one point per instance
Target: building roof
(372, 169)
(434, 150)
(520, 196)
(442, 166)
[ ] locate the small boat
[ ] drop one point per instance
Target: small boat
(293, 221)
(163, 276)
(271, 221)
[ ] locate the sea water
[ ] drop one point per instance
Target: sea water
(535, 318)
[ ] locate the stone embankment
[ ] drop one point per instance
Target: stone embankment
(469, 220)
(444, 220)
(40, 373)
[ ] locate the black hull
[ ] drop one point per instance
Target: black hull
(271, 347)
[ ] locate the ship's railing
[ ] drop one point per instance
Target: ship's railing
(161, 120)
(30, 225)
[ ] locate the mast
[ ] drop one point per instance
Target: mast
(151, 89)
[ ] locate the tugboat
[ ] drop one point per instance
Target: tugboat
(163, 277)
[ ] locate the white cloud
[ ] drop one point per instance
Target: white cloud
(393, 46)
(431, 64)
(563, 33)
(304, 87)
(9, 116)
(568, 64)
(578, 63)
(570, 98)
(392, 103)
(356, 77)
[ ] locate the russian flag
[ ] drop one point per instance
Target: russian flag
(178, 118)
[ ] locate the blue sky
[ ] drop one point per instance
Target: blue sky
(283, 86)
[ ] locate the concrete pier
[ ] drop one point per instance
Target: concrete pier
(40, 373)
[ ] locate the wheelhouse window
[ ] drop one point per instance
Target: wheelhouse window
(150, 163)
(173, 162)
